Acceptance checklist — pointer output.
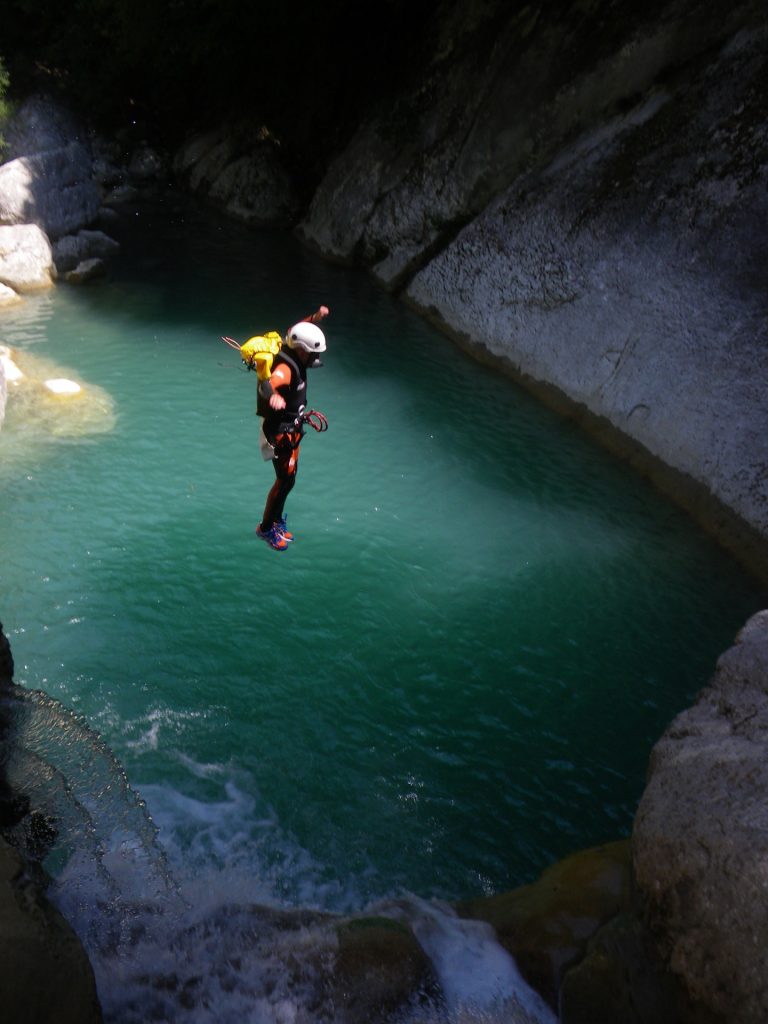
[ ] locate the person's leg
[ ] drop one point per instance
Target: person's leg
(285, 462)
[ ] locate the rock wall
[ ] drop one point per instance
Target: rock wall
(45, 977)
(700, 840)
(582, 195)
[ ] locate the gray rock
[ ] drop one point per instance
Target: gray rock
(489, 107)
(40, 124)
(240, 172)
(73, 249)
(146, 164)
(8, 297)
(588, 209)
(628, 282)
(54, 189)
(26, 258)
(700, 838)
(87, 270)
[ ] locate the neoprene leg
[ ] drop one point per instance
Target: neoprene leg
(286, 464)
(275, 504)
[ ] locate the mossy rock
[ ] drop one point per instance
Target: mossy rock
(380, 969)
(546, 926)
(622, 978)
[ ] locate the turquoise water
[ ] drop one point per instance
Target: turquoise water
(453, 677)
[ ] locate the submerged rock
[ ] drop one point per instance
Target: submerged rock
(45, 402)
(8, 297)
(379, 969)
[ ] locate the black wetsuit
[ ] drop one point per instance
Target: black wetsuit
(283, 429)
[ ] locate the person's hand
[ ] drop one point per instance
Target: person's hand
(277, 401)
(323, 311)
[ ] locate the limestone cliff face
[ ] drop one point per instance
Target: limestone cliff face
(584, 195)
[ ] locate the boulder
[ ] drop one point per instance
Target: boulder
(45, 975)
(40, 124)
(379, 970)
(8, 297)
(700, 838)
(71, 250)
(146, 164)
(622, 978)
(547, 925)
(240, 171)
(26, 258)
(54, 189)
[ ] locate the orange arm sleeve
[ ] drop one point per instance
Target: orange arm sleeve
(281, 376)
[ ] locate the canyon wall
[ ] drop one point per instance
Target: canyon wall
(583, 199)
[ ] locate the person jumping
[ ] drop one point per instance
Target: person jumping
(281, 402)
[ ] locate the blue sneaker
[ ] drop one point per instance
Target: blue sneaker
(283, 530)
(272, 537)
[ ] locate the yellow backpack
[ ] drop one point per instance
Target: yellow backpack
(258, 353)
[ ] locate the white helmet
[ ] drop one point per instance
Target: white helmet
(307, 336)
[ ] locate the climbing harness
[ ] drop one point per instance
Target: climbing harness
(315, 419)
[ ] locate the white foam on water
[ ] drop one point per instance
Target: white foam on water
(478, 978)
(233, 947)
(236, 842)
